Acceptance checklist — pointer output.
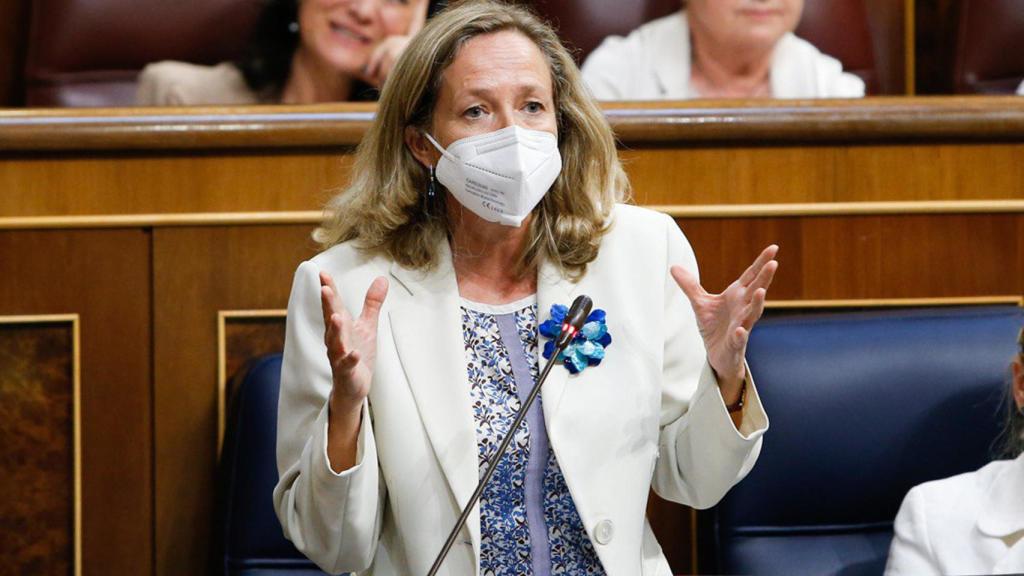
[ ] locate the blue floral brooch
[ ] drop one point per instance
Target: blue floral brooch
(587, 347)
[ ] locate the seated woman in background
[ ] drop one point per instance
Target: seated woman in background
(718, 49)
(301, 52)
(970, 523)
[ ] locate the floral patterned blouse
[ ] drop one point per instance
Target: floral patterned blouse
(528, 521)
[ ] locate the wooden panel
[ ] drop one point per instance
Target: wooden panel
(169, 183)
(240, 268)
(731, 122)
(243, 335)
(887, 31)
(104, 277)
(39, 453)
(868, 256)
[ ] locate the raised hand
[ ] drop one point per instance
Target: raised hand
(351, 342)
(725, 319)
(386, 53)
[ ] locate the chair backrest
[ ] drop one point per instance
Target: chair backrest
(863, 406)
(252, 543)
(839, 28)
(89, 52)
(990, 47)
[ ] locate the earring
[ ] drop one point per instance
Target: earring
(293, 27)
(430, 184)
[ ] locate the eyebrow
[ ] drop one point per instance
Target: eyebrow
(483, 91)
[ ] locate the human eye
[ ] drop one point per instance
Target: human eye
(473, 112)
(533, 107)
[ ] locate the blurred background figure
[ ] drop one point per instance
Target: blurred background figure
(971, 523)
(301, 52)
(718, 49)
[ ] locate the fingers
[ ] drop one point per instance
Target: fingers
(373, 65)
(419, 19)
(328, 297)
(751, 273)
(687, 281)
(374, 300)
(740, 336)
(764, 277)
(753, 311)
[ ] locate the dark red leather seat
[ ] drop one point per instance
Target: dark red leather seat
(990, 47)
(88, 52)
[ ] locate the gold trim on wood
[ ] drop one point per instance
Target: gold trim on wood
(841, 208)
(76, 418)
(223, 316)
(896, 302)
(315, 217)
(162, 220)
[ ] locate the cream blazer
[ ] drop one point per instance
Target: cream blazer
(653, 63)
(967, 524)
(649, 415)
(172, 83)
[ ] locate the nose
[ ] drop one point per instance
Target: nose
(362, 10)
(505, 117)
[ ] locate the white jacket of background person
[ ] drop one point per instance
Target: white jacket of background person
(649, 414)
(1020, 89)
(653, 63)
(967, 524)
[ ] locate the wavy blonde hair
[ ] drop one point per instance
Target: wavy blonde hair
(385, 207)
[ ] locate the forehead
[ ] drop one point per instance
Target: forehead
(504, 59)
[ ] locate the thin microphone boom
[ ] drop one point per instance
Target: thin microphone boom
(574, 320)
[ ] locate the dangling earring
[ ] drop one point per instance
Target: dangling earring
(430, 184)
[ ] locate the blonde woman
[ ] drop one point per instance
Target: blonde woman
(485, 196)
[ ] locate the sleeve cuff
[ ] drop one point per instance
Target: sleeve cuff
(755, 419)
(327, 471)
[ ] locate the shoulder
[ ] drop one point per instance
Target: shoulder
(619, 58)
(640, 42)
(830, 80)
(951, 502)
(171, 83)
(642, 237)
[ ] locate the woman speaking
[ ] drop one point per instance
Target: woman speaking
(485, 197)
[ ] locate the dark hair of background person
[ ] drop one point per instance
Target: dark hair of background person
(267, 59)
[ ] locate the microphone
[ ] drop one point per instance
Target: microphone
(571, 325)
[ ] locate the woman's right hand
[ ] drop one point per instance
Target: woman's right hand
(351, 344)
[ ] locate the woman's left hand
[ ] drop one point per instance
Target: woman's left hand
(725, 319)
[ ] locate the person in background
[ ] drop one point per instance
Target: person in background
(301, 52)
(718, 49)
(972, 523)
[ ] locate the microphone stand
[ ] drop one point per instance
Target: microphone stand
(574, 320)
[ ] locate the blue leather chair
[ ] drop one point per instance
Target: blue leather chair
(863, 406)
(252, 543)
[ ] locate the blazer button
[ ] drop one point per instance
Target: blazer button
(604, 531)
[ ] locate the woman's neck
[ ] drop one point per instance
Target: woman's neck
(486, 257)
(311, 81)
(720, 71)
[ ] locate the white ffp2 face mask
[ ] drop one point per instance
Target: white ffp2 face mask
(501, 175)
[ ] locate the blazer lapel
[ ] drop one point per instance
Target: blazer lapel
(428, 336)
(552, 288)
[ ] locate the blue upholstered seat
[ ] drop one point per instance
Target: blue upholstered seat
(863, 406)
(253, 544)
